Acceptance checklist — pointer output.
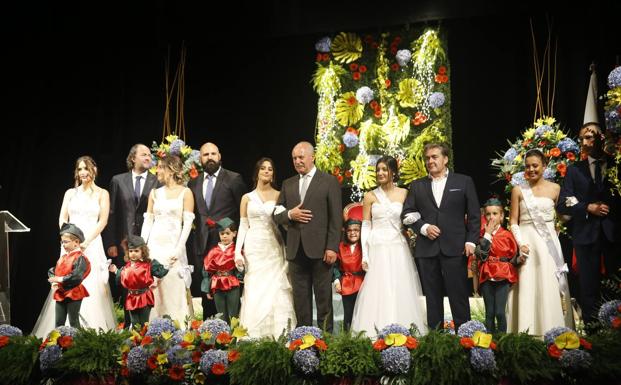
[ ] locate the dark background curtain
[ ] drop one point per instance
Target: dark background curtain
(89, 79)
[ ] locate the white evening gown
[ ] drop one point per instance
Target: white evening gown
(97, 310)
(391, 291)
(172, 296)
(267, 302)
(535, 302)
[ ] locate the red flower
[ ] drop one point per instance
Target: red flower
(388, 83)
(146, 340)
(224, 338)
(492, 345)
(184, 344)
(441, 79)
(542, 143)
(210, 223)
(218, 369)
(373, 104)
(616, 322)
(411, 342)
(379, 344)
(442, 70)
(466, 342)
(378, 113)
(152, 362)
(339, 178)
(508, 177)
(570, 155)
(195, 324)
(120, 326)
(336, 171)
(65, 341)
(362, 69)
(196, 356)
(554, 351)
(353, 67)
(393, 50)
(351, 101)
(341, 147)
(161, 154)
(562, 168)
(526, 142)
(321, 344)
(356, 76)
(144, 329)
(233, 355)
(395, 66)
(318, 57)
(124, 372)
(42, 346)
(555, 152)
(325, 57)
(193, 172)
(347, 174)
(4, 340)
(295, 344)
(176, 373)
(585, 344)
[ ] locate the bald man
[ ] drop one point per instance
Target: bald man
(217, 194)
(313, 217)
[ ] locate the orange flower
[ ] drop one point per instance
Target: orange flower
(233, 355)
(325, 57)
(570, 155)
(411, 342)
(176, 373)
(120, 326)
(492, 345)
(466, 342)
(356, 76)
(146, 340)
(347, 174)
(65, 341)
(585, 344)
(373, 104)
(336, 171)
(555, 152)
(616, 322)
(562, 168)
(224, 338)
(184, 344)
(353, 66)
(362, 68)
(320, 344)
(442, 70)
(379, 344)
(341, 147)
(378, 113)
(351, 101)
(195, 324)
(526, 142)
(388, 83)
(554, 351)
(218, 369)
(152, 362)
(4, 341)
(295, 344)
(318, 57)
(339, 178)
(193, 172)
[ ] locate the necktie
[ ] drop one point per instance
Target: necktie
(137, 188)
(305, 179)
(598, 173)
(209, 190)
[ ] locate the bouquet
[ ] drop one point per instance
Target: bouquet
(306, 342)
(52, 348)
(610, 314)
(474, 338)
(172, 145)
(568, 348)
(394, 343)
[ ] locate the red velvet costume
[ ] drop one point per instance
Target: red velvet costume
(220, 267)
(350, 267)
(72, 286)
(136, 279)
(503, 246)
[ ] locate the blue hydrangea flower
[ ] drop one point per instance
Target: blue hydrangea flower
(549, 174)
(608, 311)
(518, 179)
(350, 139)
(364, 95)
(211, 357)
(467, 329)
(403, 57)
(614, 78)
(175, 147)
(137, 359)
(436, 99)
(613, 121)
(49, 356)
(510, 155)
(178, 355)
(159, 325)
(551, 334)
(301, 331)
(393, 329)
(323, 45)
(396, 359)
(306, 361)
(539, 131)
(67, 331)
(177, 336)
(9, 331)
(567, 145)
(575, 359)
(482, 360)
(214, 326)
(373, 158)
(195, 156)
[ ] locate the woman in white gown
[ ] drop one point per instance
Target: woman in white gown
(166, 228)
(87, 206)
(540, 299)
(391, 291)
(267, 302)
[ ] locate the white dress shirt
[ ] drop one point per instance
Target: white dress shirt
(213, 181)
(308, 175)
(143, 179)
(437, 188)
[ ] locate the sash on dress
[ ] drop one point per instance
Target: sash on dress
(544, 233)
(382, 198)
(254, 196)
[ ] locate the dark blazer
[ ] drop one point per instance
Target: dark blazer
(458, 217)
(323, 198)
(578, 183)
(126, 215)
(225, 201)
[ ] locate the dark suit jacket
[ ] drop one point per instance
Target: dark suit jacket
(579, 184)
(225, 201)
(459, 201)
(126, 216)
(323, 198)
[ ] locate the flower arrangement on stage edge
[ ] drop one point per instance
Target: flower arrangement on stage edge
(610, 314)
(18, 355)
(568, 348)
(612, 112)
(351, 356)
(306, 342)
(52, 348)
(474, 337)
(172, 145)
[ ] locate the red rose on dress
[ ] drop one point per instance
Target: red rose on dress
(176, 373)
(554, 351)
(379, 345)
(218, 369)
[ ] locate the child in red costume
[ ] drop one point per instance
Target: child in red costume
(67, 276)
(496, 256)
(220, 276)
(137, 277)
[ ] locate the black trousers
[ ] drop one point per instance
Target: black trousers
(349, 302)
(495, 295)
(71, 308)
(307, 276)
(441, 273)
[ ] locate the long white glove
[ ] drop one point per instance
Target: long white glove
(147, 225)
(517, 234)
(365, 231)
(188, 218)
(241, 236)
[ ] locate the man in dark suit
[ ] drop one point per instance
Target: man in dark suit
(586, 196)
(217, 194)
(129, 195)
(309, 206)
(443, 208)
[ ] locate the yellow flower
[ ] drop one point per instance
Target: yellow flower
(482, 340)
(567, 340)
(166, 335)
(529, 134)
(546, 120)
(188, 337)
(162, 358)
(346, 47)
(411, 93)
(206, 335)
(348, 110)
(53, 337)
(307, 341)
(395, 339)
(517, 159)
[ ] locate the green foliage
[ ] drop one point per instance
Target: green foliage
(93, 352)
(18, 359)
(349, 355)
(524, 359)
(119, 313)
(264, 361)
(606, 354)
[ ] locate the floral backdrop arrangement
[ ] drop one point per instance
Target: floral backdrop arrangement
(385, 94)
(612, 113)
(172, 145)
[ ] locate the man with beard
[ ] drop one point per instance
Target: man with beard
(217, 194)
